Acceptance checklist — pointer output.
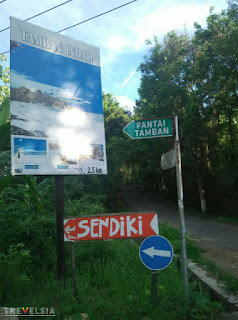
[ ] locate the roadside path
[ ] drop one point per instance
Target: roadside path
(218, 239)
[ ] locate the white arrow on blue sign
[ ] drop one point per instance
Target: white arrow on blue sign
(156, 252)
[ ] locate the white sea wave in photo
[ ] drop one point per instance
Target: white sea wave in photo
(70, 92)
(56, 123)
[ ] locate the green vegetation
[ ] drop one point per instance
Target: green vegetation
(195, 78)
(230, 281)
(112, 284)
(194, 253)
(232, 220)
(213, 216)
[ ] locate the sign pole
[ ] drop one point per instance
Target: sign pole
(60, 227)
(154, 291)
(181, 209)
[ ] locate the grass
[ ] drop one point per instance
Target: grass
(230, 281)
(211, 215)
(195, 254)
(114, 285)
(232, 220)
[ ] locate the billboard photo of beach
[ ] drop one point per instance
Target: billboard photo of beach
(58, 99)
(30, 151)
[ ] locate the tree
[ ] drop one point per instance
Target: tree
(4, 88)
(115, 117)
(215, 84)
(197, 79)
(117, 144)
(4, 120)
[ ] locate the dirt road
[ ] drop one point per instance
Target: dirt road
(220, 240)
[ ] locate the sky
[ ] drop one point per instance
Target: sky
(120, 34)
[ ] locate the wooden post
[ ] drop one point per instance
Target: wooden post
(60, 227)
(74, 275)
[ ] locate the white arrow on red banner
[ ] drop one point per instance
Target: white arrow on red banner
(115, 226)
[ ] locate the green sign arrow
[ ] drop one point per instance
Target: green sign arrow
(154, 128)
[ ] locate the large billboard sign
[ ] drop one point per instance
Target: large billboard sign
(111, 226)
(57, 124)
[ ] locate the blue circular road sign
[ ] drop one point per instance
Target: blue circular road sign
(156, 252)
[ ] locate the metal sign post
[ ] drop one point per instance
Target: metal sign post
(154, 128)
(154, 291)
(181, 209)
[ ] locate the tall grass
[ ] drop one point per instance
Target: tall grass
(114, 285)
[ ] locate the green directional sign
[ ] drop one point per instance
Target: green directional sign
(154, 128)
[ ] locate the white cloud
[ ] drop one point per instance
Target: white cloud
(146, 21)
(168, 18)
(126, 103)
(118, 34)
(123, 34)
(108, 58)
(131, 75)
(117, 42)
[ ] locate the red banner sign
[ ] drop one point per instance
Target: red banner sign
(116, 226)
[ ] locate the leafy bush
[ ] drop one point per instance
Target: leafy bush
(87, 205)
(15, 266)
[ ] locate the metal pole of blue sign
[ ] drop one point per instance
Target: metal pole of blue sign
(181, 209)
(60, 227)
(154, 290)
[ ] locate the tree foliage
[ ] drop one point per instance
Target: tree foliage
(4, 120)
(197, 79)
(4, 88)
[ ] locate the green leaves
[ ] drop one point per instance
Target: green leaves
(5, 154)
(5, 78)
(4, 120)
(4, 111)
(196, 78)
(115, 117)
